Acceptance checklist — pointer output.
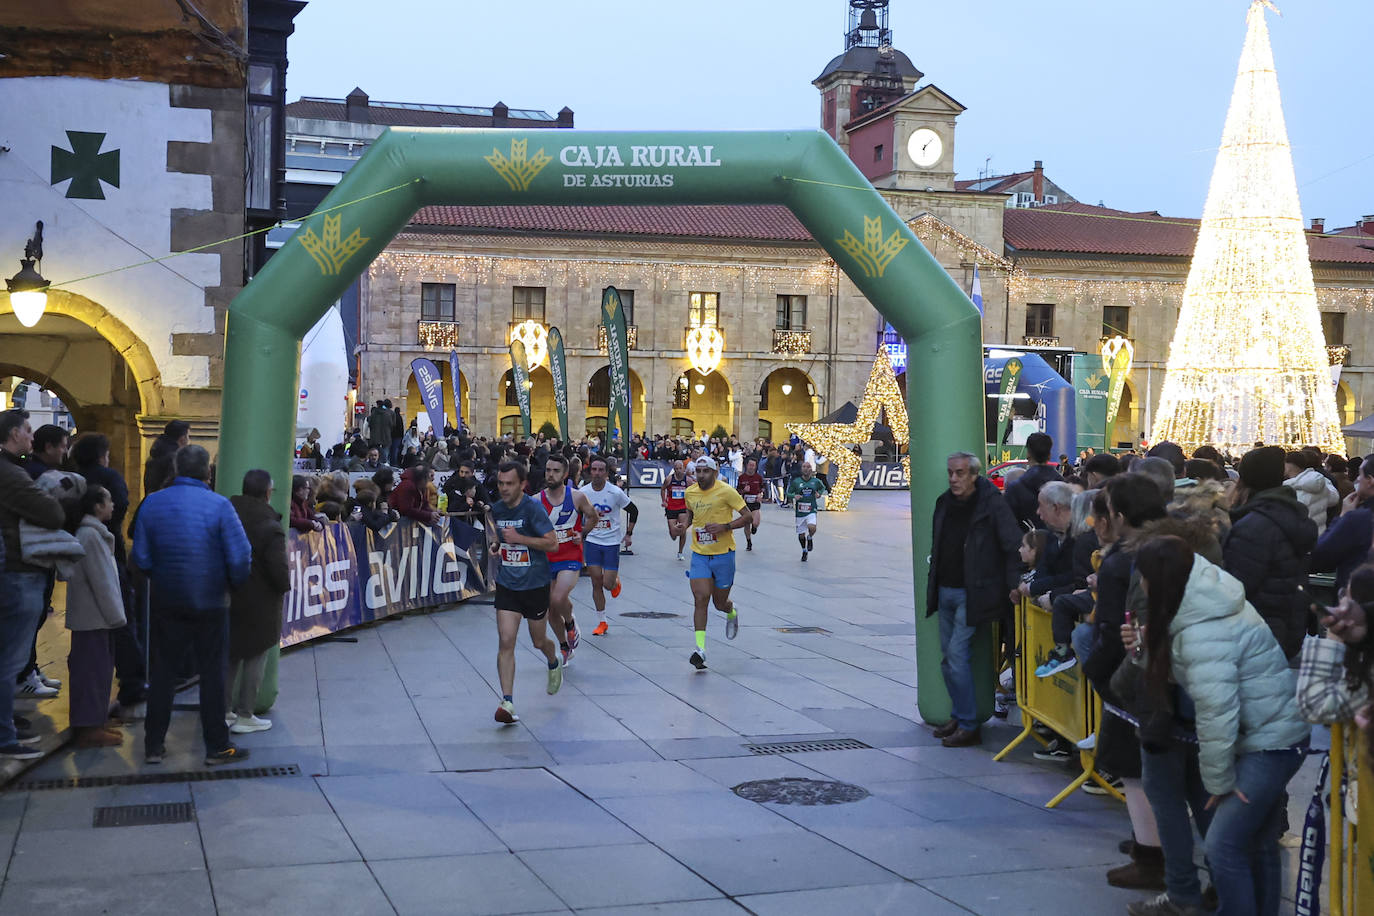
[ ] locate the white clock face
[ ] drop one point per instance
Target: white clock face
(925, 147)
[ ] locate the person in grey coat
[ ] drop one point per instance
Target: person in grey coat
(95, 607)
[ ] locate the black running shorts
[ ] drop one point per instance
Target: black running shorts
(532, 603)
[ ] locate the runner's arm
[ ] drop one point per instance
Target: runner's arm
(631, 515)
(589, 514)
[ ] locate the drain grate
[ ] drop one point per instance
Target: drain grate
(802, 747)
(822, 630)
(649, 615)
(794, 791)
(144, 815)
(151, 779)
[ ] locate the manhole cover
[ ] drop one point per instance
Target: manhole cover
(802, 747)
(794, 791)
(144, 815)
(650, 615)
(821, 630)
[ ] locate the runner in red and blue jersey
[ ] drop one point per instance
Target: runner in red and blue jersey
(750, 486)
(571, 514)
(674, 498)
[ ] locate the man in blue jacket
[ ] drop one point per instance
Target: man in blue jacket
(1344, 544)
(189, 542)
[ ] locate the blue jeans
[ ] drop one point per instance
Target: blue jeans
(1173, 785)
(21, 607)
(956, 655)
(1243, 839)
(1082, 640)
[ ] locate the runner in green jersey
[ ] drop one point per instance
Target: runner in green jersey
(805, 493)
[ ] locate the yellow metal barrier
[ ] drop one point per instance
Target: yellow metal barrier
(1064, 702)
(1351, 870)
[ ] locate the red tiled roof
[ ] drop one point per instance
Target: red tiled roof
(401, 117)
(1085, 229)
(993, 182)
(759, 222)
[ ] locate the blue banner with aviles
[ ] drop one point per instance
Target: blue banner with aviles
(431, 386)
(348, 574)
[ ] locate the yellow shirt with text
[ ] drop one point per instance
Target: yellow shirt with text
(719, 505)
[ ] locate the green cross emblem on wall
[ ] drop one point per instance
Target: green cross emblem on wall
(85, 165)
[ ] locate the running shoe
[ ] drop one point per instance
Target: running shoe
(246, 725)
(803, 556)
(230, 754)
(505, 713)
(679, 556)
(615, 592)
(698, 660)
(602, 629)
(572, 635)
(154, 756)
(749, 546)
(626, 552)
(555, 678)
(1088, 743)
(19, 752)
(732, 623)
(567, 656)
(1061, 658)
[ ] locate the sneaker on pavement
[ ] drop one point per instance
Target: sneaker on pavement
(33, 686)
(573, 638)
(556, 677)
(246, 725)
(1057, 750)
(698, 660)
(1061, 658)
(230, 718)
(615, 592)
(602, 629)
(732, 624)
(1163, 906)
(19, 752)
(53, 682)
(154, 756)
(679, 556)
(505, 713)
(231, 754)
(803, 559)
(567, 656)
(1092, 787)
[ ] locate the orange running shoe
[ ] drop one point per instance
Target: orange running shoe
(615, 592)
(602, 629)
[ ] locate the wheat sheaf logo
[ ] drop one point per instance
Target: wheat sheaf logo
(518, 170)
(873, 254)
(330, 252)
(1093, 380)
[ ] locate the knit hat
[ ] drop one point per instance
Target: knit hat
(1262, 468)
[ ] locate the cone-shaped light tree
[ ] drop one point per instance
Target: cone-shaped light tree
(1248, 361)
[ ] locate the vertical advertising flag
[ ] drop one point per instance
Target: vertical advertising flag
(1117, 354)
(976, 294)
(520, 378)
(558, 367)
(431, 386)
(1011, 372)
(1090, 385)
(618, 359)
(457, 387)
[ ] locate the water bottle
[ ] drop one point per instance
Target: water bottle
(443, 502)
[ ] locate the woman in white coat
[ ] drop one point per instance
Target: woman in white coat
(1202, 635)
(95, 607)
(1317, 494)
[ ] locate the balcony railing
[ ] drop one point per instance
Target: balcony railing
(1338, 354)
(631, 336)
(791, 341)
(1033, 340)
(438, 335)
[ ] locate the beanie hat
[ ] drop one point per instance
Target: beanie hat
(1262, 468)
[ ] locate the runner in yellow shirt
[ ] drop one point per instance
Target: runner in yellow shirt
(714, 510)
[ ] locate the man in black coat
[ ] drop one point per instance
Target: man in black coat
(1267, 549)
(974, 567)
(1023, 496)
(255, 603)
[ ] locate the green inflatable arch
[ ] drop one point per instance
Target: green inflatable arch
(408, 168)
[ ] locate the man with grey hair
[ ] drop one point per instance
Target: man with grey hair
(1053, 573)
(1159, 470)
(189, 542)
(974, 566)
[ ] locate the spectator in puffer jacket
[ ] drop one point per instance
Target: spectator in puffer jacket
(1345, 543)
(1317, 494)
(189, 542)
(411, 496)
(1271, 536)
(1209, 640)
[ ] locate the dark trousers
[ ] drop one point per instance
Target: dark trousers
(130, 651)
(90, 667)
(206, 634)
(1065, 612)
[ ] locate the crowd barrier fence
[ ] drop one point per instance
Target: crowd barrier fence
(1351, 868)
(1064, 702)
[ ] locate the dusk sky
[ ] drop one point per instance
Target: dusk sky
(1124, 101)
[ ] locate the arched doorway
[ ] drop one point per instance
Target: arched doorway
(786, 396)
(599, 399)
(96, 381)
(1127, 419)
(704, 402)
(1345, 404)
(415, 405)
(542, 408)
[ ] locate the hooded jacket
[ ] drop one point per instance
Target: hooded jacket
(991, 564)
(1317, 495)
(255, 605)
(1228, 661)
(94, 598)
(1271, 536)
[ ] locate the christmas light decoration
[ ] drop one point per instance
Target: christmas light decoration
(1248, 360)
(791, 342)
(535, 337)
(705, 345)
(631, 337)
(834, 439)
(438, 335)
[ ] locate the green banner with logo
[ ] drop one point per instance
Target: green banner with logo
(618, 362)
(558, 368)
(520, 378)
(1090, 403)
(1011, 372)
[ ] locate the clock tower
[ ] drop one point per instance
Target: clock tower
(900, 136)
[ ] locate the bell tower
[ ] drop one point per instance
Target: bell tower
(869, 74)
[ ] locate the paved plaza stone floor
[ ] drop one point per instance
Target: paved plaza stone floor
(613, 796)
